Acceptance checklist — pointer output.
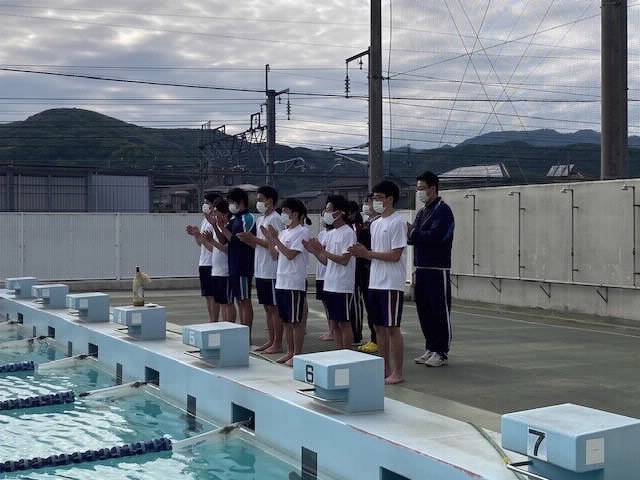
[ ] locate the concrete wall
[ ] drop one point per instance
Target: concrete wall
(603, 246)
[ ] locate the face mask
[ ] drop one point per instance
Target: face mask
(233, 208)
(206, 208)
(365, 209)
(378, 206)
(261, 207)
(421, 196)
(286, 219)
(328, 219)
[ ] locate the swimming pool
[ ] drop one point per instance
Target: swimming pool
(94, 424)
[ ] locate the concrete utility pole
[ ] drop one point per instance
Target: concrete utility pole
(376, 159)
(271, 124)
(614, 160)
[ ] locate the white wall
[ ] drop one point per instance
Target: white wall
(603, 246)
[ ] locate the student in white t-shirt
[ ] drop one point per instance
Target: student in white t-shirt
(291, 283)
(321, 268)
(222, 291)
(204, 264)
(388, 276)
(266, 265)
(339, 278)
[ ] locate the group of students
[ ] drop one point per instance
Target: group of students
(361, 267)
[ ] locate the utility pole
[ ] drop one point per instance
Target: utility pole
(271, 123)
(376, 159)
(614, 161)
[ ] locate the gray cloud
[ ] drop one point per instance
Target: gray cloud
(306, 44)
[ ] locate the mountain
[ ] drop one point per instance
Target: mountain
(76, 137)
(542, 138)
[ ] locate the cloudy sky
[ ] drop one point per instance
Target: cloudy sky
(535, 64)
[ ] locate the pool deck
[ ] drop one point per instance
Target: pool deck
(501, 361)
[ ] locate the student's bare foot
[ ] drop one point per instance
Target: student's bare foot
(289, 363)
(327, 337)
(393, 379)
(264, 347)
(285, 358)
(387, 372)
(273, 349)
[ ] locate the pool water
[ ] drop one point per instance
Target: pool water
(83, 425)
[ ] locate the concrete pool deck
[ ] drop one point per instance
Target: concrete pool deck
(501, 361)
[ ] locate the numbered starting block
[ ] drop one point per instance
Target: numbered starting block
(570, 442)
(89, 307)
(343, 380)
(143, 323)
(51, 296)
(222, 344)
(21, 286)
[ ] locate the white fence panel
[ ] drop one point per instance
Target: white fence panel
(11, 245)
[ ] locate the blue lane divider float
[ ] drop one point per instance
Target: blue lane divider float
(127, 450)
(18, 367)
(38, 401)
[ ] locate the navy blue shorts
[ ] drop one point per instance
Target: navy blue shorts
(319, 289)
(291, 305)
(206, 285)
(385, 307)
(266, 289)
(340, 306)
(241, 288)
(222, 293)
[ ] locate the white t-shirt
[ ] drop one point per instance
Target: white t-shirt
(292, 274)
(389, 233)
(320, 268)
(340, 278)
(219, 263)
(205, 255)
(264, 265)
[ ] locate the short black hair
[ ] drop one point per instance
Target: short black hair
(369, 195)
(295, 205)
(238, 195)
(339, 203)
(211, 196)
(388, 188)
(430, 179)
(353, 207)
(221, 205)
(269, 192)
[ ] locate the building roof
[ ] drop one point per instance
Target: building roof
(566, 170)
(478, 171)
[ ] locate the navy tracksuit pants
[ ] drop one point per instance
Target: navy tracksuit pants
(433, 301)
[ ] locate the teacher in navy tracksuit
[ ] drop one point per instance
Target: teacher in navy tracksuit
(432, 238)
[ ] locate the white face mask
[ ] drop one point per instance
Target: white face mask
(233, 208)
(286, 219)
(261, 207)
(378, 206)
(206, 208)
(421, 197)
(328, 219)
(365, 209)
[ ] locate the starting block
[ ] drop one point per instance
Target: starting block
(570, 442)
(21, 286)
(51, 296)
(90, 307)
(223, 344)
(342, 380)
(143, 323)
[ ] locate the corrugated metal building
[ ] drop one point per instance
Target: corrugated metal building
(54, 189)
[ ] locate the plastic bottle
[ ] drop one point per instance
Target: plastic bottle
(139, 282)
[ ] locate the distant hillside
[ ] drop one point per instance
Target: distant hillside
(84, 138)
(542, 138)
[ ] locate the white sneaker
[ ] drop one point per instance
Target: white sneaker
(436, 360)
(422, 359)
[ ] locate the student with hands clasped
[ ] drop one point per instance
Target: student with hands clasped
(339, 278)
(387, 277)
(291, 282)
(266, 265)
